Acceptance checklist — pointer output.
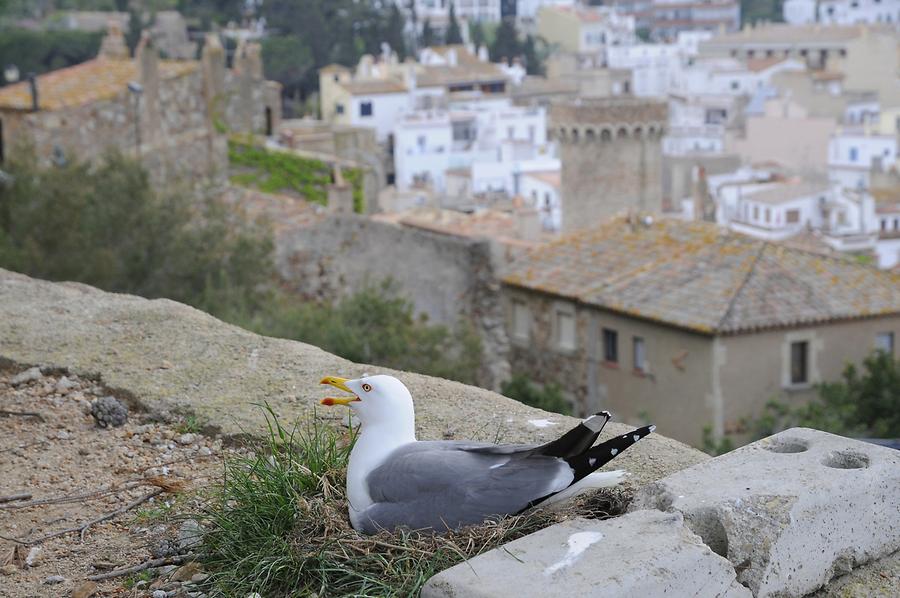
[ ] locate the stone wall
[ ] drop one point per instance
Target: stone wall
(611, 154)
(446, 277)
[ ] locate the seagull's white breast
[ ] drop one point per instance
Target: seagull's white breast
(372, 448)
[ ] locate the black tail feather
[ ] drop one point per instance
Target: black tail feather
(578, 439)
(594, 458)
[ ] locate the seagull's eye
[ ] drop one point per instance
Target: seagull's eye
(366, 387)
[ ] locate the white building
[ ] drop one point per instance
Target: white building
(887, 212)
(854, 152)
(472, 147)
(777, 210)
(379, 91)
(841, 12)
(437, 12)
(527, 10)
(541, 189)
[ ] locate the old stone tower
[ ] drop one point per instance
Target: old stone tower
(611, 155)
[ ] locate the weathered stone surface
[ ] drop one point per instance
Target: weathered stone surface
(646, 553)
(169, 357)
(790, 511)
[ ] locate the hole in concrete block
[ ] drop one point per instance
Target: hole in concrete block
(846, 460)
(788, 445)
(708, 525)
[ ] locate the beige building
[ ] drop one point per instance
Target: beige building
(688, 325)
(865, 55)
(583, 30)
(611, 155)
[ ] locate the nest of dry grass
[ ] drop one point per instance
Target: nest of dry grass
(279, 526)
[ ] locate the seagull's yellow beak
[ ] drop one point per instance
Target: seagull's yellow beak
(340, 383)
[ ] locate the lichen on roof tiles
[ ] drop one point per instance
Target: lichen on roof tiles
(90, 81)
(702, 277)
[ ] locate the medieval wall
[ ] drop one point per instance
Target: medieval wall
(445, 277)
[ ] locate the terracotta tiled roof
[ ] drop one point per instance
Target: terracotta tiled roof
(96, 79)
(704, 278)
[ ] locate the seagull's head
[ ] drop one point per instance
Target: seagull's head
(376, 399)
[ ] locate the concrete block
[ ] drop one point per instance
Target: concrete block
(640, 554)
(790, 511)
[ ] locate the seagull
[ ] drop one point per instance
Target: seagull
(394, 480)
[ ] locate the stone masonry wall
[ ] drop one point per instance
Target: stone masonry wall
(611, 154)
(445, 277)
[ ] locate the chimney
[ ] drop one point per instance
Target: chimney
(529, 221)
(483, 54)
(33, 87)
(451, 57)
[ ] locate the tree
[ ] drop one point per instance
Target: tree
(549, 397)
(394, 32)
(506, 44)
(454, 35)
(427, 38)
(103, 225)
(43, 51)
(288, 60)
(476, 34)
(533, 63)
(862, 404)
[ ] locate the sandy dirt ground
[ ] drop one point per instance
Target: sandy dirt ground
(51, 447)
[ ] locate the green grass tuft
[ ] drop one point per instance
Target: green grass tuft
(278, 526)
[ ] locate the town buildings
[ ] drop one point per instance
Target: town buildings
(580, 29)
(841, 12)
(689, 325)
(665, 19)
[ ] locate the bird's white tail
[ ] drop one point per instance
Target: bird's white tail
(598, 479)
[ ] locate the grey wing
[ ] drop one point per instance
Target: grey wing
(443, 485)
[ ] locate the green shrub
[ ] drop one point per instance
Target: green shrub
(549, 397)
(279, 172)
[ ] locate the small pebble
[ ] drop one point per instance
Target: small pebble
(205, 451)
(185, 439)
(53, 579)
(159, 594)
(8, 570)
(63, 435)
(29, 375)
(34, 555)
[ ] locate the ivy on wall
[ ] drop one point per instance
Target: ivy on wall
(279, 172)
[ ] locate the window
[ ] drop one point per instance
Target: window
(854, 154)
(610, 346)
(884, 341)
(793, 216)
(547, 198)
(521, 321)
(365, 108)
(756, 212)
(510, 132)
(339, 108)
(531, 133)
(768, 215)
(735, 85)
(640, 355)
(565, 330)
(800, 362)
